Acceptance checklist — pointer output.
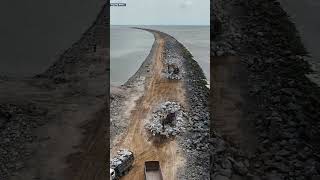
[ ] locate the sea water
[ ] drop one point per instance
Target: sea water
(130, 47)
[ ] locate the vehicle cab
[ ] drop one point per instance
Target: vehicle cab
(112, 174)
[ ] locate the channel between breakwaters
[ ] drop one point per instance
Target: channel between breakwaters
(186, 156)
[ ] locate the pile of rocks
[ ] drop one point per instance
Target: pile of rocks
(227, 161)
(286, 121)
(195, 140)
(173, 61)
(156, 126)
(117, 125)
(81, 60)
(173, 71)
(16, 124)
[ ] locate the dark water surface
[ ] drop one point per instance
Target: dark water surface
(33, 33)
(130, 47)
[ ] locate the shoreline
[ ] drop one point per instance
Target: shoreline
(131, 90)
(196, 93)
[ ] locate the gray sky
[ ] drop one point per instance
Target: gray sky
(161, 12)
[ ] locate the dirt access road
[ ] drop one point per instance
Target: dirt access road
(157, 90)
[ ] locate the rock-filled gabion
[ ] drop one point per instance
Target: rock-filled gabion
(155, 126)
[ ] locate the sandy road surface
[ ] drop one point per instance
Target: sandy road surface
(157, 91)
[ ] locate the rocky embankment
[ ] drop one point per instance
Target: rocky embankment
(42, 119)
(122, 99)
(195, 140)
(192, 131)
(287, 120)
(17, 122)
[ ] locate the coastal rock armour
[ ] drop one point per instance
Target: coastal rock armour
(72, 65)
(287, 120)
(193, 140)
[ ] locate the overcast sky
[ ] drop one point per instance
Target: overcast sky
(161, 12)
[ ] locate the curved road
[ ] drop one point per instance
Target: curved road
(157, 90)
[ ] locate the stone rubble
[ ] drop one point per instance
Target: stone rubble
(173, 58)
(192, 130)
(17, 121)
(287, 120)
(155, 126)
(117, 122)
(195, 140)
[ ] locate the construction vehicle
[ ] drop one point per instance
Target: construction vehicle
(112, 174)
(121, 164)
(152, 170)
(173, 69)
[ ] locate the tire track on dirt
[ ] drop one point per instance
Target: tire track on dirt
(157, 90)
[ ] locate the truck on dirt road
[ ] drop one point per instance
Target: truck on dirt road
(152, 170)
(121, 164)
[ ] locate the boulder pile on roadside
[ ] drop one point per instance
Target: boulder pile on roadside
(173, 71)
(156, 127)
(173, 62)
(117, 125)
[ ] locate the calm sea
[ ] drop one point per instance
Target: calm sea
(34, 33)
(130, 47)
